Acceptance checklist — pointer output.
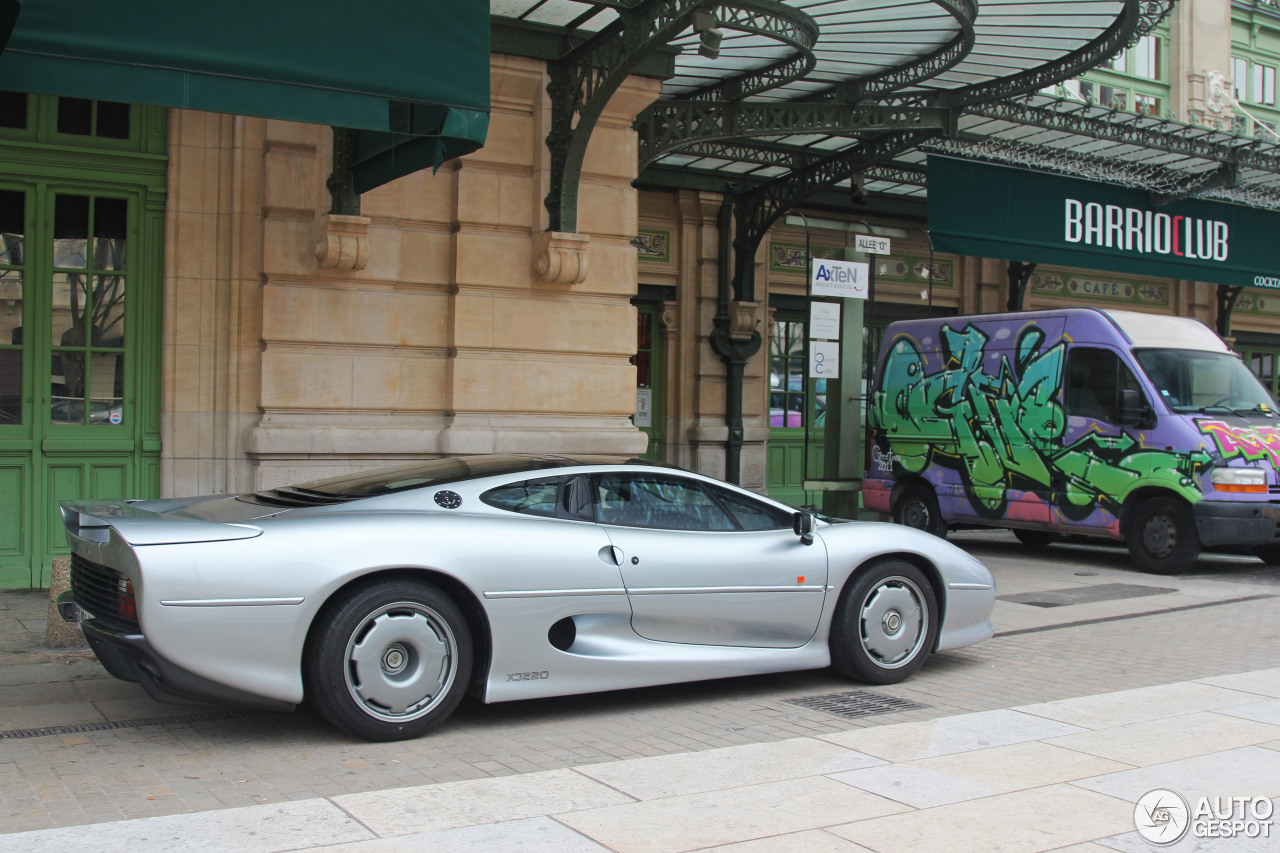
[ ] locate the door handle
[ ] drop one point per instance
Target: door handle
(612, 555)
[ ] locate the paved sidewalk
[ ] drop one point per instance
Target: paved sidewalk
(1046, 776)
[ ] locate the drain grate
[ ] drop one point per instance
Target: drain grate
(856, 703)
(130, 724)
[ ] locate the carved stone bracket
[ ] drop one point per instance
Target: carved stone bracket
(343, 242)
(742, 319)
(560, 257)
(670, 317)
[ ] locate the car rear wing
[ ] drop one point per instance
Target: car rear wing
(93, 521)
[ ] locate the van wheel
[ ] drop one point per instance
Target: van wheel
(1162, 537)
(917, 507)
(1036, 538)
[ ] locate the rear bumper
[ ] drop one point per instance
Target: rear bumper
(130, 657)
(1236, 523)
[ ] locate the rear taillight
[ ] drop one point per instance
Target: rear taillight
(126, 603)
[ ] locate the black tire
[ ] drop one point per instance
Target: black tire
(918, 507)
(885, 624)
(390, 660)
(1269, 554)
(1036, 538)
(1162, 537)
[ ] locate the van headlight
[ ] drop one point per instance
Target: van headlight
(1239, 480)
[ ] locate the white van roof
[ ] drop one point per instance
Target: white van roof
(1161, 332)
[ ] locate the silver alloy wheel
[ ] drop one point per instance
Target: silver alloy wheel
(401, 661)
(894, 622)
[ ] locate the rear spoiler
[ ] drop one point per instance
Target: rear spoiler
(92, 520)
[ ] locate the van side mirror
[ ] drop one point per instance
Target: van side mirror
(802, 524)
(1134, 410)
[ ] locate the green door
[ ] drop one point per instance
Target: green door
(797, 409)
(80, 269)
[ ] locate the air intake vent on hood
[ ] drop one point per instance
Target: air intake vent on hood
(295, 498)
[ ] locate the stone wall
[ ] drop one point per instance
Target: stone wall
(300, 345)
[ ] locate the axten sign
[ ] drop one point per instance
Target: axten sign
(1145, 232)
(841, 279)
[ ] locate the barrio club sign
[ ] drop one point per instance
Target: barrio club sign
(1133, 230)
(1018, 214)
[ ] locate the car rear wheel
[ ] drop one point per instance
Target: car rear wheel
(918, 507)
(390, 661)
(1162, 537)
(885, 624)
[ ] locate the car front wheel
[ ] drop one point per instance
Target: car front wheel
(885, 624)
(390, 661)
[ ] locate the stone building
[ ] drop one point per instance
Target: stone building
(241, 328)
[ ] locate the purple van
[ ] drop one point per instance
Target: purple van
(1136, 427)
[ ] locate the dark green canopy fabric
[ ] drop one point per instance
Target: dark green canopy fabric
(411, 76)
(1017, 214)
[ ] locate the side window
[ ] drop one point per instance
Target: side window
(753, 514)
(1095, 378)
(532, 497)
(655, 500)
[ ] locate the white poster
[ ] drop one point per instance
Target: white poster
(644, 408)
(872, 245)
(824, 360)
(824, 320)
(842, 279)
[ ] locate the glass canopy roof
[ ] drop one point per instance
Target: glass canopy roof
(961, 76)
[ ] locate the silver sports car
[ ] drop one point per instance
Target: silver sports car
(382, 597)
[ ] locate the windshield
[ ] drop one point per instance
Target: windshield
(1194, 381)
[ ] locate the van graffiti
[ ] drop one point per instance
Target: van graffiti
(1005, 430)
(1251, 443)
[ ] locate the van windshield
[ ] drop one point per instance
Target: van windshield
(1193, 381)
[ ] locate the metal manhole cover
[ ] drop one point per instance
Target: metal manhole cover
(856, 703)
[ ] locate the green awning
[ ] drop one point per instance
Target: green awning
(412, 77)
(1021, 215)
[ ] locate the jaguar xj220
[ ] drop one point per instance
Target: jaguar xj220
(383, 597)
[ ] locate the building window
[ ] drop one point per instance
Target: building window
(1146, 58)
(1146, 104)
(1111, 97)
(1264, 84)
(103, 119)
(1265, 130)
(1239, 78)
(13, 110)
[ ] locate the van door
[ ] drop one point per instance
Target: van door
(1090, 474)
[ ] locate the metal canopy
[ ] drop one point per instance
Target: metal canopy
(772, 102)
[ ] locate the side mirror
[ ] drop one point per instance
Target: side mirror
(1134, 410)
(802, 524)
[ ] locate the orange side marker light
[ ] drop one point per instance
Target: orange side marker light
(800, 579)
